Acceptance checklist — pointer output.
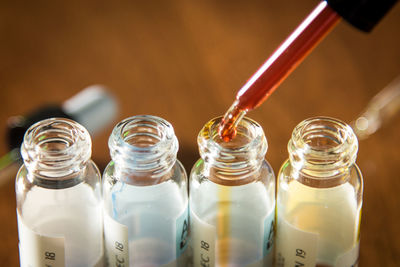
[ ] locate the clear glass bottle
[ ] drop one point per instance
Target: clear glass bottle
(58, 192)
(319, 196)
(145, 195)
(232, 198)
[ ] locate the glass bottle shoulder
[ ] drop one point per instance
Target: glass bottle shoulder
(166, 199)
(261, 187)
(287, 173)
(38, 204)
(208, 197)
(349, 183)
(173, 188)
(203, 172)
(89, 178)
(112, 178)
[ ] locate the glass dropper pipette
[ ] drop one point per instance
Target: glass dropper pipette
(363, 14)
(279, 65)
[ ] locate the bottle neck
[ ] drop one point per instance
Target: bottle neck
(322, 150)
(235, 162)
(143, 149)
(56, 151)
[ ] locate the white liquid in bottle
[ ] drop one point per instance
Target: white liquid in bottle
(59, 197)
(62, 215)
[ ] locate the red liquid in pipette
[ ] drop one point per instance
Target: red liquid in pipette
(279, 65)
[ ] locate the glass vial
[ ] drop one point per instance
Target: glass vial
(319, 196)
(232, 198)
(58, 194)
(145, 195)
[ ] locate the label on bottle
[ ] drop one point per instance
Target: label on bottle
(299, 248)
(269, 224)
(350, 258)
(39, 250)
(203, 242)
(116, 242)
(295, 247)
(182, 232)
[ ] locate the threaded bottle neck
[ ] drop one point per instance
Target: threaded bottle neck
(322, 147)
(143, 146)
(56, 149)
(236, 160)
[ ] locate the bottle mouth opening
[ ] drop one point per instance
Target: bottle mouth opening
(144, 144)
(56, 147)
(144, 132)
(237, 160)
(249, 135)
(324, 135)
(323, 143)
(54, 139)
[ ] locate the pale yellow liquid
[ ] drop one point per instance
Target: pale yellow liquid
(332, 213)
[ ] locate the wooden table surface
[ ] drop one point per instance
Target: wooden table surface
(184, 61)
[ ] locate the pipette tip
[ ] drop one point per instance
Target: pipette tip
(227, 128)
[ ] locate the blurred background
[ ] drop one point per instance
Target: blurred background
(185, 61)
